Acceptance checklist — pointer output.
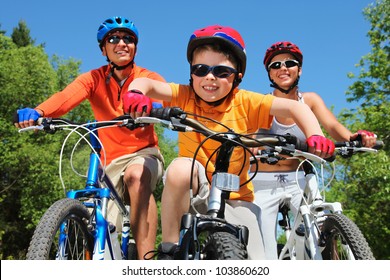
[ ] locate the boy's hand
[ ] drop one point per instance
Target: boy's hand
(320, 146)
(136, 104)
(368, 138)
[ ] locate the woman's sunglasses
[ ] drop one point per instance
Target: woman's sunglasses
(286, 63)
(127, 39)
(219, 71)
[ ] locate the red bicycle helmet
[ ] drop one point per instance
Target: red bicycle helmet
(282, 47)
(223, 35)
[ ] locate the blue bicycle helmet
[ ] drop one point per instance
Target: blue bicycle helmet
(114, 24)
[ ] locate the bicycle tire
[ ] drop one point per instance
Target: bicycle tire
(223, 246)
(132, 251)
(79, 241)
(339, 231)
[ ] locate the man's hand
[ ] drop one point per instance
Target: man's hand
(26, 117)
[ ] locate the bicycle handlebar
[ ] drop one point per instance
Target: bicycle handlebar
(176, 119)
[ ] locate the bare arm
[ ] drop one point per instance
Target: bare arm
(299, 112)
(326, 118)
(152, 88)
(335, 129)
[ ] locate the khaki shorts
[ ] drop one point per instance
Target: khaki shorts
(151, 158)
(237, 212)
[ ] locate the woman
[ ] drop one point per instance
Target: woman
(283, 63)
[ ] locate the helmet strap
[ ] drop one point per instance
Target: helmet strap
(117, 67)
(286, 91)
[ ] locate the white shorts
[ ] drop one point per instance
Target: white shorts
(270, 188)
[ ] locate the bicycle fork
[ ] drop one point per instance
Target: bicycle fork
(311, 248)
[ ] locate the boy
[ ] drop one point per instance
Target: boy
(218, 60)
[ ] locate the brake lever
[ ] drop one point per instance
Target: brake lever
(299, 153)
(34, 127)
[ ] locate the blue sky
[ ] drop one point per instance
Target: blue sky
(331, 34)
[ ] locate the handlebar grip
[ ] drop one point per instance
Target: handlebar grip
(299, 145)
(358, 144)
(331, 158)
(15, 117)
(166, 113)
(379, 145)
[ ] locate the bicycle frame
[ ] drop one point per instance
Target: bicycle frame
(100, 190)
(303, 240)
(214, 221)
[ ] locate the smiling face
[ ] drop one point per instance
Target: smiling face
(119, 53)
(284, 77)
(211, 88)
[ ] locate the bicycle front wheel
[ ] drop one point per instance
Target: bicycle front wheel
(343, 240)
(62, 233)
(223, 246)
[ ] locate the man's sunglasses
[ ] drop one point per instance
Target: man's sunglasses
(127, 39)
(219, 71)
(287, 63)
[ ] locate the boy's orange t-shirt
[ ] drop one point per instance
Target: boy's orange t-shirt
(244, 112)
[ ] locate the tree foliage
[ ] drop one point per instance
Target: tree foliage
(21, 35)
(363, 185)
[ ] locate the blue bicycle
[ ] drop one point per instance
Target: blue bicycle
(76, 227)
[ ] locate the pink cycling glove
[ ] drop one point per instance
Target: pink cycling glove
(368, 133)
(321, 143)
(368, 138)
(135, 102)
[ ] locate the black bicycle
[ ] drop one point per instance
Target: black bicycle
(210, 236)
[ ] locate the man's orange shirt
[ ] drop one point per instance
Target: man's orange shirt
(243, 111)
(106, 103)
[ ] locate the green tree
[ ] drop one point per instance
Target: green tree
(28, 161)
(363, 183)
(21, 35)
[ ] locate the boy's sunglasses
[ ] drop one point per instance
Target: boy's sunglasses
(127, 39)
(287, 63)
(219, 71)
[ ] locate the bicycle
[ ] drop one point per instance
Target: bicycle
(320, 230)
(76, 227)
(210, 236)
(68, 230)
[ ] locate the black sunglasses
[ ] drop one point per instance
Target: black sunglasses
(219, 71)
(127, 39)
(287, 63)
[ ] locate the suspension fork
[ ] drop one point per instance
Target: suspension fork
(216, 206)
(311, 236)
